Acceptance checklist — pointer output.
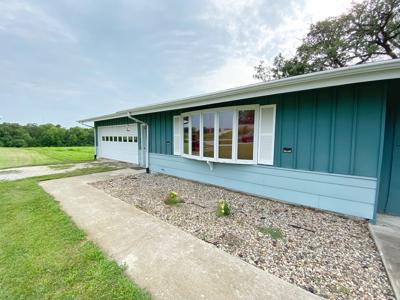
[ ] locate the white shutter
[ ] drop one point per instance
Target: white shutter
(177, 135)
(266, 135)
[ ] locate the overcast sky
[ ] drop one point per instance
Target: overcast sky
(64, 60)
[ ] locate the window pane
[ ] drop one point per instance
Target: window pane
(115, 138)
(120, 139)
(106, 138)
(130, 139)
(225, 134)
(245, 134)
(125, 138)
(196, 135)
(186, 135)
(208, 135)
(103, 138)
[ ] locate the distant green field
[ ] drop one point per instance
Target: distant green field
(18, 157)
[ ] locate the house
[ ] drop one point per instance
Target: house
(328, 140)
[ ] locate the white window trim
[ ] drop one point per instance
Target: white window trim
(216, 111)
(177, 137)
(261, 162)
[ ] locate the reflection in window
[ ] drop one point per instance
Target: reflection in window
(208, 135)
(186, 135)
(130, 139)
(225, 134)
(103, 138)
(245, 134)
(196, 135)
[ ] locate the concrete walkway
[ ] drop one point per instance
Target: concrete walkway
(386, 234)
(168, 262)
(26, 172)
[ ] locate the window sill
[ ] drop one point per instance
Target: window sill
(223, 161)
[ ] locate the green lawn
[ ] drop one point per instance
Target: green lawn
(17, 157)
(43, 255)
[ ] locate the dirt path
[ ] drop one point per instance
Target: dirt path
(26, 172)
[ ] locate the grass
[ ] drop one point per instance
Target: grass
(343, 290)
(18, 157)
(43, 255)
(274, 233)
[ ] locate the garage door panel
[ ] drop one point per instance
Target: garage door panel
(125, 148)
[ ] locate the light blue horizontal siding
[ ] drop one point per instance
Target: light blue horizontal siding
(339, 193)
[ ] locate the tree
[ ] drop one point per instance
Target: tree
(369, 31)
(33, 135)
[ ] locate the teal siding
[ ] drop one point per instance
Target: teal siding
(332, 130)
(323, 120)
(287, 125)
(339, 193)
(337, 139)
(368, 131)
(304, 132)
(393, 108)
(117, 121)
(343, 112)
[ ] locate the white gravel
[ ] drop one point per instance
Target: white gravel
(330, 255)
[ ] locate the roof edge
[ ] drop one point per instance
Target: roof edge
(383, 70)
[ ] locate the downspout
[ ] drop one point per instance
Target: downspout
(147, 139)
(94, 136)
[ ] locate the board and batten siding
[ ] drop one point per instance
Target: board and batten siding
(332, 130)
(335, 134)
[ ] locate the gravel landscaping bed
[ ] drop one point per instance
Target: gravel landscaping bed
(324, 253)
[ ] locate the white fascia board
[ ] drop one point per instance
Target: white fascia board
(103, 117)
(383, 70)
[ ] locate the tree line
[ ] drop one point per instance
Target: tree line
(369, 31)
(46, 135)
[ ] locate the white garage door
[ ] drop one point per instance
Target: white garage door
(119, 143)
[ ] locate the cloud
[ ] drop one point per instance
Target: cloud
(22, 19)
(259, 30)
(43, 88)
(89, 57)
(182, 33)
(235, 71)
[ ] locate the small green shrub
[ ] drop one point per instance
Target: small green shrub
(274, 233)
(223, 208)
(344, 290)
(172, 198)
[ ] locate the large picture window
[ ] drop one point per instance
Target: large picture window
(225, 134)
(228, 134)
(208, 134)
(186, 135)
(245, 143)
(195, 135)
